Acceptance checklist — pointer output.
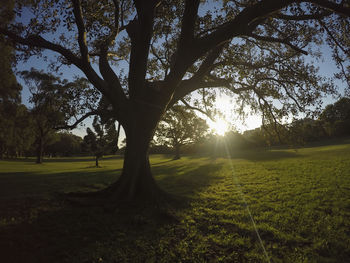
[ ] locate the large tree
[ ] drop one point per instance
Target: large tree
(255, 49)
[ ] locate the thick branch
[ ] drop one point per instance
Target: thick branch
(117, 97)
(38, 41)
(78, 14)
(197, 78)
(188, 22)
(241, 24)
(208, 63)
(140, 31)
(183, 57)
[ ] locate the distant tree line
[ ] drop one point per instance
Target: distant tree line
(333, 122)
(56, 106)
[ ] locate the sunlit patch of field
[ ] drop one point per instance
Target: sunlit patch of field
(299, 201)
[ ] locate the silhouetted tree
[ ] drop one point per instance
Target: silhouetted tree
(252, 48)
(103, 140)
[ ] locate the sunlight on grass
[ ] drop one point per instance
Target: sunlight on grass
(299, 201)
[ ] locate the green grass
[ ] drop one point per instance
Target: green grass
(299, 200)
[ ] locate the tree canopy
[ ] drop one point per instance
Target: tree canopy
(145, 56)
(55, 103)
(180, 126)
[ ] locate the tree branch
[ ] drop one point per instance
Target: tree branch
(118, 96)
(38, 41)
(197, 109)
(78, 14)
(277, 40)
(271, 113)
(338, 8)
(190, 85)
(188, 22)
(208, 63)
(75, 124)
(336, 42)
(183, 56)
(302, 17)
(244, 23)
(154, 53)
(140, 31)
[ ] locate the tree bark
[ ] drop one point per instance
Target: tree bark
(136, 182)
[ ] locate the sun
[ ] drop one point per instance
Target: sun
(220, 126)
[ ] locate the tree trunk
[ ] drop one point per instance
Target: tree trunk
(136, 182)
(177, 152)
(39, 151)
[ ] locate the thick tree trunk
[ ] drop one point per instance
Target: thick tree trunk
(136, 182)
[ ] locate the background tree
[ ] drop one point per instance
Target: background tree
(65, 144)
(12, 113)
(55, 103)
(255, 49)
(180, 126)
(336, 117)
(103, 141)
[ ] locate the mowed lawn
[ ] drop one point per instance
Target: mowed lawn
(276, 205)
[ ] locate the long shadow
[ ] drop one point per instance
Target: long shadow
(163, 162)
(184, 180)
(23, 184)
(60, 232)
(64, 159)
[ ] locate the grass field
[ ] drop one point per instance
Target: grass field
(299, 202)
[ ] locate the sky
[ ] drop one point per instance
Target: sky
(224, 103)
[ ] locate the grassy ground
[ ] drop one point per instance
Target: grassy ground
(299, 201)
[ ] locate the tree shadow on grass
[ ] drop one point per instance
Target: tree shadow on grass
(57, 231)
(22, 184)
(65, 159)
(185, 181)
